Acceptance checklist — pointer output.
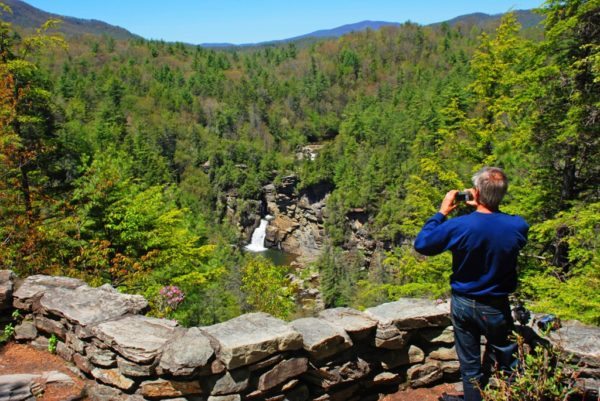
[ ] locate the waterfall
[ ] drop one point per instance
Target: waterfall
(257, 244)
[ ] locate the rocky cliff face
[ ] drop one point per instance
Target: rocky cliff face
(299, 216)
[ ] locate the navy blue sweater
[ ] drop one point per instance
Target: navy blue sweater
(484, 250)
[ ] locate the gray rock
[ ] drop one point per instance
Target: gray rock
(32, 289)
(406, 356)
(437, 335)
(7, 279)
(411, 313)
(422, 375)
(100, 392)
(444, 354)
(357, 324)
(231, 397)
(137, 338)
(25, 331)
(75, 343)
(320, 338)
(389, 336)
(252, 337)
(162, 388)
(450, 367)
(579, 340)
(113, 377)
(104, 358)
(82, 363)
(50, 326)
(85, 305)
(331, 375)
(189, 352)
(18, 387)
(265, 363)
(64, 352)
(234, 381)
(385, 378)
(40, 343)
(132, 369)
(281, 372)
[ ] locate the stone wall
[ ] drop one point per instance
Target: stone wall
(342, 354)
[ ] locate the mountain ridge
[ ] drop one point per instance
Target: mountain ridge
(28, 17)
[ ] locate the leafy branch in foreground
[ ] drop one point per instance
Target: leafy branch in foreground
(543, 375)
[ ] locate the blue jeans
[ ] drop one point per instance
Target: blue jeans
(472, 318)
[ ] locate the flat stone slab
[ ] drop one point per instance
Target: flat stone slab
(320, 338)
(17, 387)
(231, 382)
(85, 305)
(283, 371)
(113, 377)
(412, 313)
(188, 352)
(162, 388)
(138, 338)
(252, 337)
(579, 340)
(355, 323)
(35, 286)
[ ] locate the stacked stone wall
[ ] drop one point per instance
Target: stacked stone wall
(342, 354)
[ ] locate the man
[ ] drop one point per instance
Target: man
(485, 245)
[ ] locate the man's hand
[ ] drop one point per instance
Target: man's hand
(474, 197)
(448, 204)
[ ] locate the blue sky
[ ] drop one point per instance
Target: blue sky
(251, 21)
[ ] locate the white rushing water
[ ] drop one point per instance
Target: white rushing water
(257, 244)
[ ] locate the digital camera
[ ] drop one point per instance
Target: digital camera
(464, 196)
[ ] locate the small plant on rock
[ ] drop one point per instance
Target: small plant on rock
(543, 375)
(52, 342)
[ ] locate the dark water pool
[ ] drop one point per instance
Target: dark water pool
(279, 258)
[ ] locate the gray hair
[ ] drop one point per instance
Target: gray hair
(492, 185)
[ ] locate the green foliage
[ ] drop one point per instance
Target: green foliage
(404, 273)
(52, 343)
(266, 288)
(7, 333)
(567, 279)
(543, 375)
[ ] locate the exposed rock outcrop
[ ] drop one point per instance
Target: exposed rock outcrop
(299, 217)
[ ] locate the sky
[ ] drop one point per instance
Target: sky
(252, 21)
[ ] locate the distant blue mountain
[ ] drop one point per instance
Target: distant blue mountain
(526, 18)
(29, 17)
(320, 34)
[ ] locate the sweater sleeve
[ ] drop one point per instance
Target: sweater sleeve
(434, 237)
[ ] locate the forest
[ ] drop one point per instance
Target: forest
(116, 155)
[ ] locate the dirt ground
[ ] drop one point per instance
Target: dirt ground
(423, 394)
(18, 358)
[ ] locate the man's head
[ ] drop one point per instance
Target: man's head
(491, 185)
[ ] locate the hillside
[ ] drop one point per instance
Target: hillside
(527, 19)
(29, 17)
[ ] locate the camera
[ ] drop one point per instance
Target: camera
(464, 196)
(521, 314)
